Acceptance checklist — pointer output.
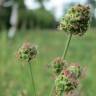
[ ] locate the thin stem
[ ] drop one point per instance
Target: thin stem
(50, 94)
(67, 45)
(33, 83)
(63, 94)
(63, 56)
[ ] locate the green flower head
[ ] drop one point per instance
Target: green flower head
(75, 70)
(27, 52)
(65, 84)
(76, 20)
(58, 65)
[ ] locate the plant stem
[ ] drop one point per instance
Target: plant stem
(67, 45)
(33, 83)
(50, 94)
(64, 55)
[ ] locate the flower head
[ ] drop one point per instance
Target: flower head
(27, 52)
(58, 65)
(75, 70)
(67, 81)
(64, 83)
(76, 20)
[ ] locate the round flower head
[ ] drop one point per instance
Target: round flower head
(75, 70)
(76, 20)
(58, 65)
(64, 83)
(27, 52)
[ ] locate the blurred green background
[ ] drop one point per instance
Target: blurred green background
(39, 27)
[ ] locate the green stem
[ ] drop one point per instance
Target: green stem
(33, 83)
(67, 45)
(64, 55)
(50, 94)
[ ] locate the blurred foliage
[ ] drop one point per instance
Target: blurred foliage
(4, 17)
(41, 2)
(92, 2)
(21, 3)
(93, 20)
(39, 18)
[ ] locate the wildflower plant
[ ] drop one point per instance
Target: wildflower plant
(75, 22)
(27, 53)
(67, 75)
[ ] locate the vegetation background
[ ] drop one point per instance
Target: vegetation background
(39, 27)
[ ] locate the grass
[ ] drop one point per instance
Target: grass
(15, 78)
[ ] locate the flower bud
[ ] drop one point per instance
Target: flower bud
(75, 70)
(76, 20)
(58, 65)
